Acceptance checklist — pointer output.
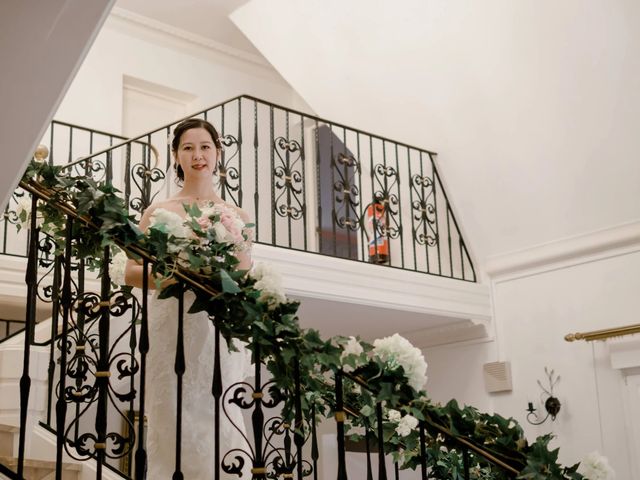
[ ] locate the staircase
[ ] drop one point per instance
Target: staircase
(33, 469)
(429, 246)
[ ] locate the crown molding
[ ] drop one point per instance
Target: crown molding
(175, 33)
(566, 252)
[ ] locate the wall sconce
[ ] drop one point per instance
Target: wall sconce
(551, 404)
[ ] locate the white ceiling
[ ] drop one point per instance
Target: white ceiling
(207, 18)
(533, 106)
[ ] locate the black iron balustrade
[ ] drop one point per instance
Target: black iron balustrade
(308, 183)
(460, 451)
(98, 354)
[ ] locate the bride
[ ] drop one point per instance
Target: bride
(196, 149)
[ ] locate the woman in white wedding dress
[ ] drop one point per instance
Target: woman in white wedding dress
(196, 148)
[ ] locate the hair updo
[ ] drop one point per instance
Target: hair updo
(188, 125)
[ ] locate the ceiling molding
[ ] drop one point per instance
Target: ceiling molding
(458, 333)
(566, 252)
(170, 31)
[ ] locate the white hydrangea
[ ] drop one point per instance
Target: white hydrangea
(394, 415)
(269, 282)
(406, 425)
(398, 351)
(352, 347)
(173, 223)
(596, 467)
(117, 266)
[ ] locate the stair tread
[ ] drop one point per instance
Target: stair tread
(32, 463)
(9, 428)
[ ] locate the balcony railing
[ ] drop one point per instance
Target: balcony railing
(310, 184)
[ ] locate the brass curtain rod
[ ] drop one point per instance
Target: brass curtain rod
(604, 333)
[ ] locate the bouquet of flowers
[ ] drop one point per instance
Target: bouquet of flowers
(206, 241)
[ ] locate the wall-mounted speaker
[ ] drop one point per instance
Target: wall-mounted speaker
(497, 377)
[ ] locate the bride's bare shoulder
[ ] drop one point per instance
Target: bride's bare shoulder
(241, 213)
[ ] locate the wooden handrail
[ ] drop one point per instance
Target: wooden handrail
(603, 334)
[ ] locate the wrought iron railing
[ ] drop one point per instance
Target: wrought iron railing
(310, 184)
(97, 377)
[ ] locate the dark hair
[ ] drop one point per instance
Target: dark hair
(188, 125)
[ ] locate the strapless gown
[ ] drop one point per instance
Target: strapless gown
(197, 401)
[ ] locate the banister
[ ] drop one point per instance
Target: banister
(43, 193)
(255, 99)
(441, 430)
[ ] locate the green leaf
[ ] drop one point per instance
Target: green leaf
(229, 285)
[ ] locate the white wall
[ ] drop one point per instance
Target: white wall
(41, 46)
(532, 105)
(533, 313)
(124, 47)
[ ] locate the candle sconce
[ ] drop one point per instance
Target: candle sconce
(551, 403)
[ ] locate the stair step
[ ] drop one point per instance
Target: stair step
(7, 435)
(42, 469)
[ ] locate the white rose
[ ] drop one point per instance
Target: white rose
(222, 235)
(352, 347)
(406, 425)
(117, 266)
(269, 283)
(173, 224)
(394, 415)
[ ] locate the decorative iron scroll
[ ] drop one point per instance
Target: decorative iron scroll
(425, 229)
(276, 453)
(386, 179)
(289, 202)
(82, 347)
(93, 168)
(345, 214)
(144, 178)
(228, 172)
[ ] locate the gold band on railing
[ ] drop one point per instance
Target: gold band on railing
(100, 446)
(258, 470)
(287, 475)
(104, 374)
(603, 334)
(77, 393)
(100, 305)
(340, 417)
(257, 395)
(80, 348)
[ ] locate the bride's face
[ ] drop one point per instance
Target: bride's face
(196, 154)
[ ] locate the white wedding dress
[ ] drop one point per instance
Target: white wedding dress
(197, 450)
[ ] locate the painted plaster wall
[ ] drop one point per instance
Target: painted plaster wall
(533, 313)
(96, 95)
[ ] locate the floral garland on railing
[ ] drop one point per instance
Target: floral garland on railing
(252, 307)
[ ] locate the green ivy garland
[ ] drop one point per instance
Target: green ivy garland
(239, 314)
